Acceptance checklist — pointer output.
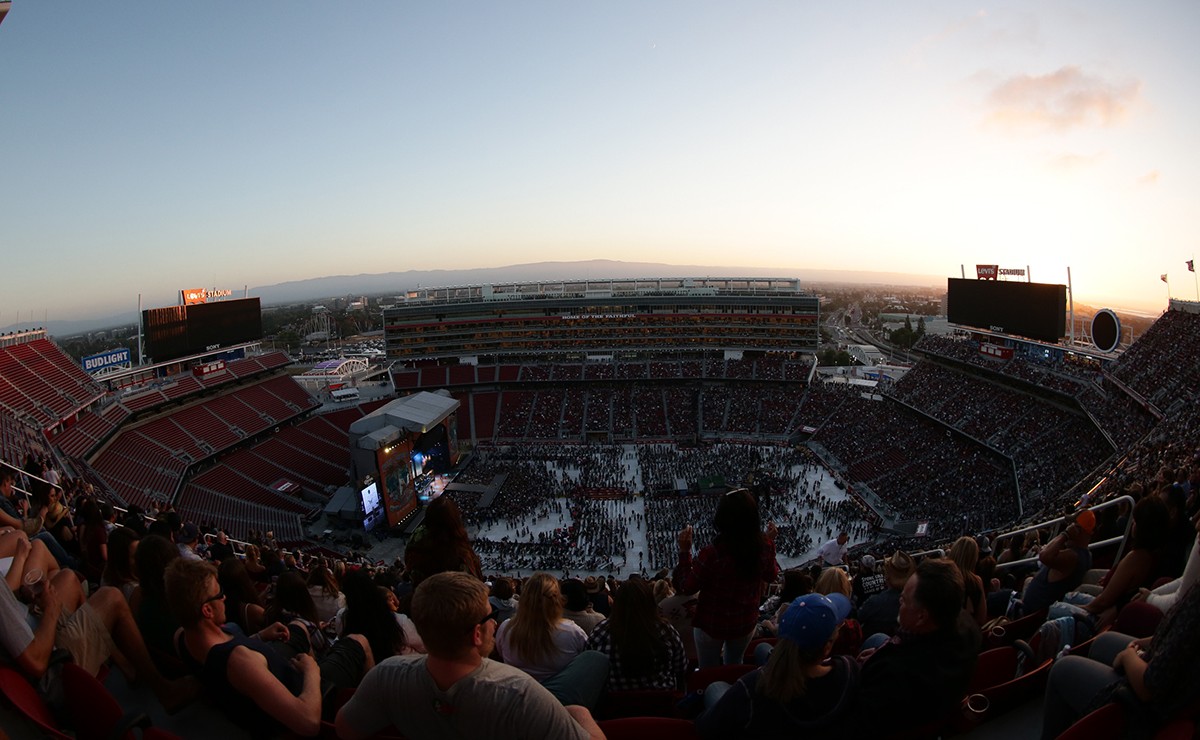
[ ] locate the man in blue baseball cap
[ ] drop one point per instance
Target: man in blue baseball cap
(801, 688)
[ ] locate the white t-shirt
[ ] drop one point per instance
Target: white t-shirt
(832, 552)
(569, 641)
(495, 700)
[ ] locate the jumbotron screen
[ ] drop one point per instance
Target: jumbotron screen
(1033, 310)
(179, 331)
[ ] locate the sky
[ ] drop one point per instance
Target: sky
(155, 146)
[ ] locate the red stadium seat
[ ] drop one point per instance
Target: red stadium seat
(1106, 723)
(28, 703)
(995, 688)
(648, 703)
(648, 728)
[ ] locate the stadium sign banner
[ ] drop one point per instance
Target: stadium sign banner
(191, 296)
(993, 272)
(114, 357)
(994, 350)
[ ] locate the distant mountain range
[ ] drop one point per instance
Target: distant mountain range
(396, 283)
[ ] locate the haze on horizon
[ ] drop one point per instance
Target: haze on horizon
(151, 147)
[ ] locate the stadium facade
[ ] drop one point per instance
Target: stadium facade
(601, 317)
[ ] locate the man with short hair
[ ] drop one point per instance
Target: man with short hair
(836, 551)
(456, 690)
(10, 509)
(248, 678)
(921, 674)
(220, 550)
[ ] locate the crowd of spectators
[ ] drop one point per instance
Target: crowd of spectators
(1017, 424)
(919, 469)
(648, 411)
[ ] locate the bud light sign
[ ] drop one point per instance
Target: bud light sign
(112, 358)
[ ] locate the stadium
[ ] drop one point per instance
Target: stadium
(580, 425)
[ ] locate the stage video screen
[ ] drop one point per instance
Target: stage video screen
(1033, 310)
(370, 499)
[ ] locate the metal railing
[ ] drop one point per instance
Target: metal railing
(1096, 545)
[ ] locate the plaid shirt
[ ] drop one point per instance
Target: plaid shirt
(728, 604)
(665, 676)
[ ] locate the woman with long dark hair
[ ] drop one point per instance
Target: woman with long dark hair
(440, 544)
(119, 568)
(293, 605)
(243, 604)
(369, 614)
(148, 602)
(644, 651)
(730, 575)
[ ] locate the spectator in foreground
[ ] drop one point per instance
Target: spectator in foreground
(878, 615)
(1064, 562)
(800, 690)
(576, 606)
(1159, 675)
(850, 634)
(643, 649)
(456, 690)
(539, 641)
(503, 599)
(730, 575)
(440, 544)
(266, 682)
(965, 554)
(921, 674)
(91, 631)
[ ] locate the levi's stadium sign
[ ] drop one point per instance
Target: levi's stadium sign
(190, 296)
(991, 272)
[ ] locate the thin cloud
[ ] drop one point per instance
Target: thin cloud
(1060, 101)
(1150, 178)
(1074, 162)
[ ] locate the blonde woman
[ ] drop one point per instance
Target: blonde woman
(965, 554)
(539, 641)
(850, 636)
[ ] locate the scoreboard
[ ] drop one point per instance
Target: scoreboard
(180, 331)
(1032, 310)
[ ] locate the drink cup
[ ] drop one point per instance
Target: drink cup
(33, 584)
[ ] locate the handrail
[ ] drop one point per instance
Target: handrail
(1123, 539)
(21, 472)
(936, 552)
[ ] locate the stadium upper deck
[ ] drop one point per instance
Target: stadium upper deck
(603, 316)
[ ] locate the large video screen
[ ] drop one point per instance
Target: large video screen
(179, 331)
(1033, 310)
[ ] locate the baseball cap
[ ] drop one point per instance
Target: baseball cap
(812, 618)
(189, 534)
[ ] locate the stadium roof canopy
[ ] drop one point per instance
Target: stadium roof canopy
(417, 413)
